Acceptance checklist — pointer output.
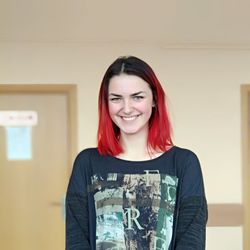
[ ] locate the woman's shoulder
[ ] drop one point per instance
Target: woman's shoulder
(87, 152)
(184, 152)
(186, 158)
(187, 161)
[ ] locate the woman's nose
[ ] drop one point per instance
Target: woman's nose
(127, 107)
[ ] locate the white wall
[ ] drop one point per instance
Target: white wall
(203, 89)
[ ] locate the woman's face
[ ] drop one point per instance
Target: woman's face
(130, 102)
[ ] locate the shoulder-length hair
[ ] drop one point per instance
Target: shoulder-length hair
(159, 135)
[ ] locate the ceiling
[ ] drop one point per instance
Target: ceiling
(180, 23)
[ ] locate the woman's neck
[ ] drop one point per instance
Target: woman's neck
(136, 148)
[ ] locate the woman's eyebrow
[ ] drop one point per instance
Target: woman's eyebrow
(134, 94)
(138, 93)
(115, 95)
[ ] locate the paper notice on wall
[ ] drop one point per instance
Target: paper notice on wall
(19, 143)
(18, 118)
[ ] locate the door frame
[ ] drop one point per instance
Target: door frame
(245, 133)
(70, 90)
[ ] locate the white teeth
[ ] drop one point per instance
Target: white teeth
(129, 118)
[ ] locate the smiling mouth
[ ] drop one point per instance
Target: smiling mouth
(129, 118)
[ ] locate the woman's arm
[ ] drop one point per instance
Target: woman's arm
(191, 227)
(192, 208)
(77, 214)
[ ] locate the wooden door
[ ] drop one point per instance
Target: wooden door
(32, 190)
(245, 126)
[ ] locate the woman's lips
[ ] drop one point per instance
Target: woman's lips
(129, 118)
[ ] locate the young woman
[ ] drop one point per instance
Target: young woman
(136, 190)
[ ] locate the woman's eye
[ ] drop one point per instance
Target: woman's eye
(115, 99)
(138, 97)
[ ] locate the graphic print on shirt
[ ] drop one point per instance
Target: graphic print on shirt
(134, 211)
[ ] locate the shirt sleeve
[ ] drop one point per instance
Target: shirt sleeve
(192, 212)
(77, 228)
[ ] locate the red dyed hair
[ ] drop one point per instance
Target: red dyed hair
(159, 135)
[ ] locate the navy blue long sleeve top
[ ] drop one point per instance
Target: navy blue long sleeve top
(120, 204)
